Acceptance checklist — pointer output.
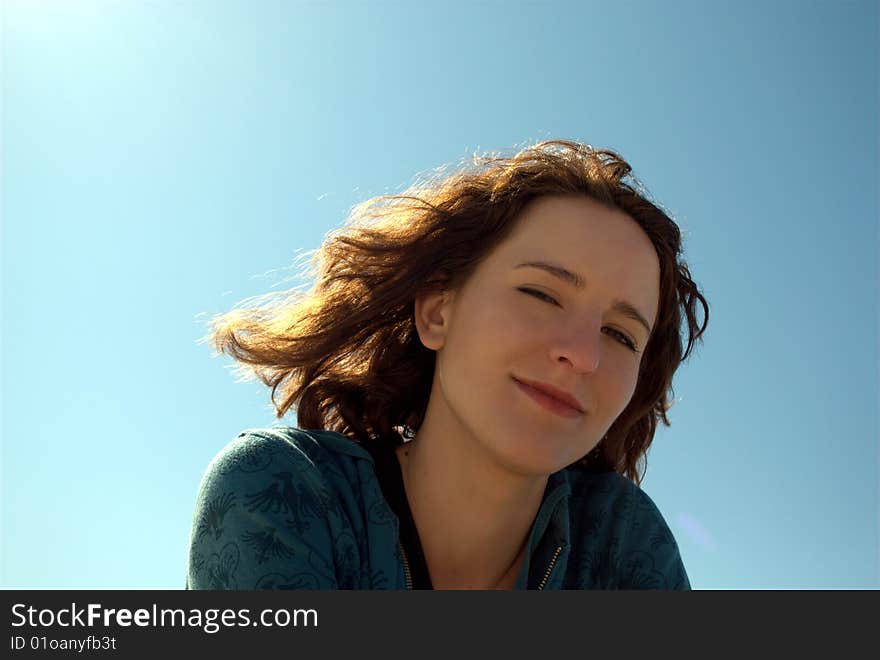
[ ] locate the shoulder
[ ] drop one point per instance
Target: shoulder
(614, 492)
(640, 548)
(286, 468)
(601, 508)
(272, 510)
(309, 453)
(649, 554)
(607, 491)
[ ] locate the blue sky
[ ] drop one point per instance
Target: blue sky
(163, 160)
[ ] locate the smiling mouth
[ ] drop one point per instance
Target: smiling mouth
(548, 402)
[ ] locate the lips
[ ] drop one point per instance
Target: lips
(551, 398)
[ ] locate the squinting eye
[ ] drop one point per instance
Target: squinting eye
(538, 294)
(622, 338)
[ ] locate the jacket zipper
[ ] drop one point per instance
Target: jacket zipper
(405, 567)
(550, 567)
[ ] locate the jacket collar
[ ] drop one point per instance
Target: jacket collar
(549, 541)
(552, 517)
(550, 538)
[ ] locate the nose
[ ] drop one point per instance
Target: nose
(579, 345)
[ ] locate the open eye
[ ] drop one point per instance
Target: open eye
(626, 341)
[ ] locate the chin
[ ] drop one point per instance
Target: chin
(527, 443)
(533, 458)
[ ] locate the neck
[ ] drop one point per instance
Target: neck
(473, 516)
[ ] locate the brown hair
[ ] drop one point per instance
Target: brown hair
(346, 354)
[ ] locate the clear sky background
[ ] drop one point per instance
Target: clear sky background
(163, 160)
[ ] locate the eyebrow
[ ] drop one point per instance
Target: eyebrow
(577, 281)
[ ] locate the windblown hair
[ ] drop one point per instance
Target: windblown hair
(346, 354)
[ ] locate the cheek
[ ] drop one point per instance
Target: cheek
(515, 327)
(493, 325)
(483, 347)
(621, 384)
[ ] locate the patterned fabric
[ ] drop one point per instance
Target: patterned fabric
(286, 508)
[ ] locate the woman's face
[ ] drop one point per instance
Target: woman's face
(558, 325)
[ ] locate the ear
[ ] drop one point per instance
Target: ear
(432, 314)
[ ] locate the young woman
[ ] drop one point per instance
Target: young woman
(477, 373)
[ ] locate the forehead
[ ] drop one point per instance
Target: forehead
(606, 246)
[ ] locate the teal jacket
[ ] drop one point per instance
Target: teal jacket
(286, 508)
